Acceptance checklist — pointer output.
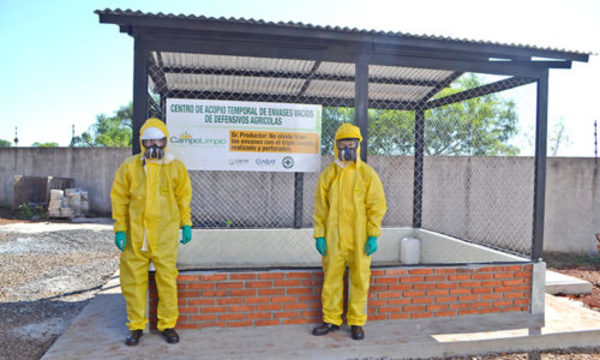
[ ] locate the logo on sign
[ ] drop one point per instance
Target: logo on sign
(238, 162)
(287, 162)
(187, 138)
(265, 162)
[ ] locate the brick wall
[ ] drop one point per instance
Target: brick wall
(234, 299)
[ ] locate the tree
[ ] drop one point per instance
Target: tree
(5, 143)
(478, 126)
(45, 145)
(113, 131)
(558, 136)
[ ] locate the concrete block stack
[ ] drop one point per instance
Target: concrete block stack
(70, 203)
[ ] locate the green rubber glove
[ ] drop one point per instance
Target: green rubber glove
(186, 234)
(321, 245)
(120, 240)
(371, 245)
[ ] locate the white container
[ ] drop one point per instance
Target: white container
(410, 251)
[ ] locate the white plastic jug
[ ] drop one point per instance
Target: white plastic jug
(410, 251)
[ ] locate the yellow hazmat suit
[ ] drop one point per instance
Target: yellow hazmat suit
(349, 207)
(150, 202)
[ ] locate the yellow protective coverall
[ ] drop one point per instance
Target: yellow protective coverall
(150, 203)
(349, 207)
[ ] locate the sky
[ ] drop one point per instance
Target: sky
(60, 67)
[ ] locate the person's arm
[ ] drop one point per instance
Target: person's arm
(375, 205)
(321, 204)
(183, 194)
(119, 197)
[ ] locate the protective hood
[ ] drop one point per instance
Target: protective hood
(154, 122)
(347, 131)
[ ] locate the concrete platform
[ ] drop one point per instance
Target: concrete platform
(99, 331)
(557, 283)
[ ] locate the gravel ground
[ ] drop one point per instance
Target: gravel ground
(49, 272)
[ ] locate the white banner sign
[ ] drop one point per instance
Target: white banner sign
(244, 136)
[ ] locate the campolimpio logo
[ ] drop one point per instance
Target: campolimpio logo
(187, 138)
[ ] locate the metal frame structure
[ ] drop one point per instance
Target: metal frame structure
(162, 34)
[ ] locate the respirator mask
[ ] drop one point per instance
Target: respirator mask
(347, 149)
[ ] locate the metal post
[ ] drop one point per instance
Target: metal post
(140, 91)
(539, 192)
(361, 103)
(595, 142)
(418, 167)
(298, 193)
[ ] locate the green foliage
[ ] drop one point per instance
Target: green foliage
(479, 126)
(46, 144)
(30, 211)
(108, 131)
(5, 143)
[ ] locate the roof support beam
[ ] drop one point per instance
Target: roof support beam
(539, 189)
(479, 91)
(309, 78)
(140, 91)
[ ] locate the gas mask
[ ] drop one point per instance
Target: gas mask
(154, 152)
(347, 149)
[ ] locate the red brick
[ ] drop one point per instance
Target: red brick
(243, 292)
(469, 311)
(181, 286)
(458, 277)
(188, 309)
(467, 298)
(423, 286)
(512, 268)
(445, 313)
(376, 273)
(240, 308)
(271, 291)
(460, 306)
(201, 285)
(259, 284)
(517, 295)
(212, 309)
(299, 275)
(491, 297)
(218, 293)
(295, 306)
(188, 294)
(482, 290)
(420, 271)
(421, 315)
(188, 278)
(443, 299)
(295, 321)
(507, 275)
(413, 293)
(522, 274)
(312, 283)
(377, 302)
(397, 301)
(490, 269)
(398, 316)
(257, 300)
(286, 314)
(512, 308)
(481, 304)
(521, 302)
(180, 302)
(446, 285)
(396, 272)
(444, 271)
(386, 280)
(296, 291)
(239, 323)
(229, 301)
(203, 317)
(259, 315)
(269, 307)
(461, 291)
(503, 303)
(230, 285)
(271, 276)
(201, 301)
(512, 282)
(283, 299)
(308, 314)
(411, 279)
(491, 283)
(438, 307)
(266, 322)
(242, 276)
(396, 287)
(393, 294)
(437, 292)
(377, 317)
(428, 300)
(214, 277)
(436, 278)
(379, 288)
(226, 317)
(390, 309)
(467, 284)
(305, 298)
(490, 310)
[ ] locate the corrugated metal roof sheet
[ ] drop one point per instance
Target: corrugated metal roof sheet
(291, 24)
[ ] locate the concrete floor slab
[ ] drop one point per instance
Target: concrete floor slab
(557, 283)
(99, 331)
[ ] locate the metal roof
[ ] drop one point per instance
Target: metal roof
(205, 57)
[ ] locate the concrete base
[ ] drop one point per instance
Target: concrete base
(99, 331)
(557, 283)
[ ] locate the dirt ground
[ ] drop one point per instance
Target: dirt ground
(50, 271)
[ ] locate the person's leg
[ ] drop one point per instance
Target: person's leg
(359, 278)
(166, 284)
(332, 295)
(134, 284)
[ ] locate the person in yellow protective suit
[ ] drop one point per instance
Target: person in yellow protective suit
(349, 207)
(150, 197)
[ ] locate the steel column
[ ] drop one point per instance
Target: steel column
(361, 104)
(539, 192)
(418, 167)
(140, 91)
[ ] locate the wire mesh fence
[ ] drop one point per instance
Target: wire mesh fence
(443, 143)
